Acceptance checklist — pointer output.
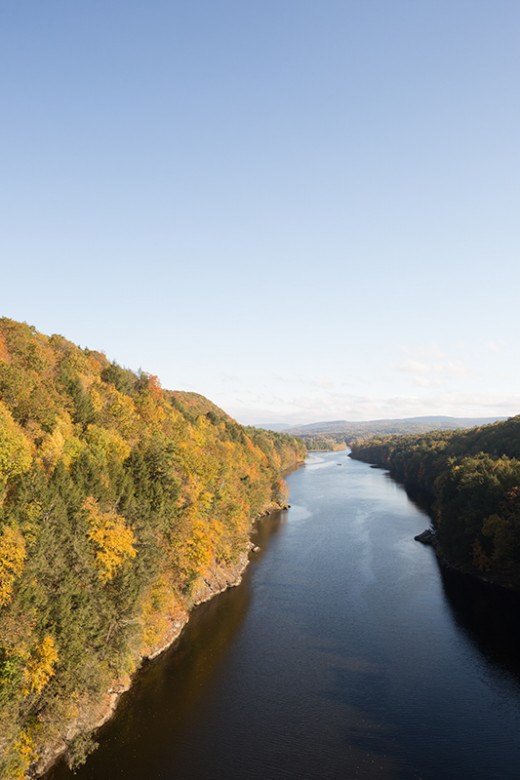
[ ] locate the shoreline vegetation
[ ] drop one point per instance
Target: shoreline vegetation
(323, 444)
(216, 581)
(469, 482)
(122, 505)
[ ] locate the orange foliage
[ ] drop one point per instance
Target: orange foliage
(174, 459)
(154, 386)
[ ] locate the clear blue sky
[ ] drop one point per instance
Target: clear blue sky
(303, 210)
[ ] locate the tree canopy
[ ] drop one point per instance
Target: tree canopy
(118, 501)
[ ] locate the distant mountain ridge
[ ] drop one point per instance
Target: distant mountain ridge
(325, 435)
(404, 424)
(277, 427)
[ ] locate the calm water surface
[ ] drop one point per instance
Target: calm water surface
(344, 654)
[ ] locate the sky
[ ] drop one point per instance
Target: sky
(303, 210)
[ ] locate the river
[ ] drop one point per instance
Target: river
(345, 653)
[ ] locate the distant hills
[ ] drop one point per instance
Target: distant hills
(277, 427)
(328, 434)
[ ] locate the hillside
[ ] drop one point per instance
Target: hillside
(121, 506)
(336, 434)
(347, 431)
(471, 480)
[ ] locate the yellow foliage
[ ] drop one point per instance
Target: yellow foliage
(4, 352)
(113, 539)
(122, 410)
(22, 756)
(40, 668)
(151, 411)
(15, 447)
(205, 500)
(117, 409)
(198, 547)
(222, 543)
(52, 447)
(200, 431)
(12, 558)
(61, 444)
(96, 361)
(195, 474)
(108, 442)
(96, 397)
(281, 491)
(160, 607)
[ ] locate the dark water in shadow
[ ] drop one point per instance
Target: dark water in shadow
(346, 653)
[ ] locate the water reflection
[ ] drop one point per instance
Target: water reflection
(168, 694)
(344, 655)
(487, 614)
(489, 617)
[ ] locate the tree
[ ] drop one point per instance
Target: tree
(112, 539)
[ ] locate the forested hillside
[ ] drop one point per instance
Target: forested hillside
(336, 434)
(472, 482)
(322, 443)
(121, 505)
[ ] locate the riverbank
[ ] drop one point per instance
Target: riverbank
(429, 538)
(425, 500)
(471, 479)
(94, 714)
(314, 666)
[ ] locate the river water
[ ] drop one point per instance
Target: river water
(345, 653)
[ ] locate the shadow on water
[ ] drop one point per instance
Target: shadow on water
(167, 694)
(346, 655)
(420, 498)
(488, 615)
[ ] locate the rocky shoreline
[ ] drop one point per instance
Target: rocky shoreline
(429, 536)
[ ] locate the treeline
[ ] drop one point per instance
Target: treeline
(472, 482)
(119, 503)
(319, 443)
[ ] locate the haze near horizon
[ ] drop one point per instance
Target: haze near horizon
(302, 212)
